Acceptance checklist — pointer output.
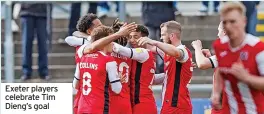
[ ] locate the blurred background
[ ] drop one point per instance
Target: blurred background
(47, 24)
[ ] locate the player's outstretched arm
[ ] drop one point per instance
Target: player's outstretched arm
(75, 41)
(158, 78)
(79, 34)
(138, 54)
(166, 48)
(78, 39)
(111, 68)
(99, 44)
(76, 78)
(169, 49)
(202, 56)
(155, 50)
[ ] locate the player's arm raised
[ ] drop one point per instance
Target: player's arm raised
(152, 48)
(77, 39)
(203, 57)
(125, 30)
(79, 34)
(138, 54)
(179, 53)
(156, 50)
(111, 68)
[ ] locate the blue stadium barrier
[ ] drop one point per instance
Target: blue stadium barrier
(201, 106)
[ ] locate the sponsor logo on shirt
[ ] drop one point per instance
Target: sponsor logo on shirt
(92, 55)
(224, 53)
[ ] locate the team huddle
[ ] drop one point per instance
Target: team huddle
(113, 78)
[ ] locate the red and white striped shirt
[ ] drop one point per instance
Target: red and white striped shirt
(240, 97)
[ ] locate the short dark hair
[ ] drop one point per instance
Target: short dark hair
(100, 32)
(143, 30)
(116, 26)
(86, 22)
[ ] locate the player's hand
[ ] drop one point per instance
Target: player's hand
(194, 65)
(197, 44)
(145, 40)
(126, 29)
(206, 52)
(122, 78)
(216, 101)
(239, 71)
(80, 34)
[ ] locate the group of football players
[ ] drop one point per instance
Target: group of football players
(113, 78)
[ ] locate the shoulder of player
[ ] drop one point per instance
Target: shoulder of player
(77, 47)
(218, 41)
(182, 46)
(258, 48)
(107, 57)
(260, 45)
(185, 49)
(254, 42)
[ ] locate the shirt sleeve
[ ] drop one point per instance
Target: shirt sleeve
(139, 54)
(80, 51)
(74, 41)
(76, 76)
(213, 61)
(111, 68)
(260, 62)
(185, 56)
(77, 72)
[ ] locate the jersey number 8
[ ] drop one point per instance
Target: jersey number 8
(87, 87)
